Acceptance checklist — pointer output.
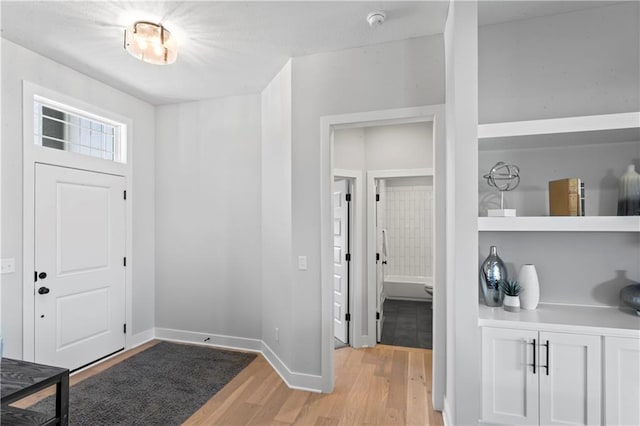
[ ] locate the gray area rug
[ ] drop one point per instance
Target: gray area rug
(163, 385)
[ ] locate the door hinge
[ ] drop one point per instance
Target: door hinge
(377, 197)
(124, 261)
(125, 195)
(377, 315)
(124, 328)
(348, 197)
(347, 257)
(377, 257)
(347, 317)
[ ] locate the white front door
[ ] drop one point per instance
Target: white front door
(79, 262)
(340, 264)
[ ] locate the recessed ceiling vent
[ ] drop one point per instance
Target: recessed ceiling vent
(375, 19)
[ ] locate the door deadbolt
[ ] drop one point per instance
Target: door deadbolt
(43, 290)
(42, 275)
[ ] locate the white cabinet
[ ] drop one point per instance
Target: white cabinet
(571, 379)
(540, 378)
(509, 386)
(622, 381)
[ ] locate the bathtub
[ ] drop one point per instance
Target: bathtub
(407, 287)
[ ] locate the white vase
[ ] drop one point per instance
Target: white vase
(529, 287)
(511, 303)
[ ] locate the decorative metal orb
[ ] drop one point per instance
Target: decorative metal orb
(503, 177)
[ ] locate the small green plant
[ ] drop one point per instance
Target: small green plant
(510, 287)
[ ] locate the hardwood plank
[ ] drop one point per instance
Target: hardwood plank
(266, 388)
(326, 421)
(398, 384)
(417, 397)
(292, 407)
(239, 414)
(375, 406)
(272, 405)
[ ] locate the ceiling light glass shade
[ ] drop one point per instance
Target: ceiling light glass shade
(151, 43)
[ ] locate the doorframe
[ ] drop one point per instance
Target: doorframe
(372, 175)
(431, 113)
(34, 154)
(356, 265)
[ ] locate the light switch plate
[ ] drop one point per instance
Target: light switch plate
(302, 263)
(8, 266)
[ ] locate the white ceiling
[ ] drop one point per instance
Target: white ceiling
(226, 48)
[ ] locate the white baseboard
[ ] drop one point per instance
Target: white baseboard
(300, 381)
(140, 338)
(206, 339)
(294, 380)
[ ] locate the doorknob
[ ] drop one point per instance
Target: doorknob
(43, 290)
(42, 275)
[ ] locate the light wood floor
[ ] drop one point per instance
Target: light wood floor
(385, 385)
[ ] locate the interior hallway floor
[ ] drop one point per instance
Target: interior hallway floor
(376, 386)
(407, 323)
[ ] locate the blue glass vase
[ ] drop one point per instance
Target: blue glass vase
(492, 272)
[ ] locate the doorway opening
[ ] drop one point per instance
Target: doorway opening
(403, 230)
(364, 300)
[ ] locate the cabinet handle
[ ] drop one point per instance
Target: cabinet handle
(534, 356)
(547, 350)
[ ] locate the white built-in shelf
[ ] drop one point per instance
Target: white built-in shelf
(611, 321)
(583, 130)
(561, 223)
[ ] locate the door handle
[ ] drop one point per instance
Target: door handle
(546, 367)
(535, 349)
(43, 290)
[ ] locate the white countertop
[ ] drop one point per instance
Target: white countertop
(610, 321)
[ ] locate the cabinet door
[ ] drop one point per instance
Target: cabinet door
(622, 381)
(509, 386)
(570, 394)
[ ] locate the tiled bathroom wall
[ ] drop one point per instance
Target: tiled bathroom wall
(408, 209)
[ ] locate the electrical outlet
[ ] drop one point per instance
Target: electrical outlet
(8, 266)
(277, 334)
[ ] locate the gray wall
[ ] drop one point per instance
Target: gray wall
(393, 75)
(277, 282)
(208, 216)
(578, 63)
(21, 64)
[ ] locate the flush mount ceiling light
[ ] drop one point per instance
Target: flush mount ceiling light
(151, 43)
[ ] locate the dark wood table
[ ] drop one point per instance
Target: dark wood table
(19, 379)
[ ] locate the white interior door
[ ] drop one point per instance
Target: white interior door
(380, 295)
(79, 262)
(340, 265)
